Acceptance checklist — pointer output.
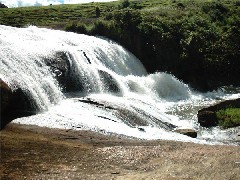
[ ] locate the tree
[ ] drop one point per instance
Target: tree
(98, 12)
(3, 6)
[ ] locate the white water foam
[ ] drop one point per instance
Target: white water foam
(116, 95)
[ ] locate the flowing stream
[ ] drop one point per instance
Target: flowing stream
(82, 82)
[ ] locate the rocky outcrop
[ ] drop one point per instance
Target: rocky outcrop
(6, 95)
(14, 104)
(207, 117)
(60, 67)
(187, 132)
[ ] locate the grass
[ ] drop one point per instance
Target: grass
(58, 15)
(229, 117)
(54, 15)
(182, 37)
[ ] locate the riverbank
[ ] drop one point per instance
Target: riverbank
(32, 152)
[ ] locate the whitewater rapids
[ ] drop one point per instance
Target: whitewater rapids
(110, 92)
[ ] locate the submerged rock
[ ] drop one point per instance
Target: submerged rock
(187, 132)
(109, 82)
(207, 116)
(60, 67)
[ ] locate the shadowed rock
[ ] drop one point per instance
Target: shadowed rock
(14, 104)
(187, 132)
(207, 117)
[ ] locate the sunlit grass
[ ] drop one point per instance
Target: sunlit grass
(229, 117)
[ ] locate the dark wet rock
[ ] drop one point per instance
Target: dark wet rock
(238, 137)
(141, 129)
(109, 82)
(133, 117)
(60, 67)
(14, 104)
(64, 70)
(85, 55)
(187, 132)
(107, 118)
(207, 116)
(6, 95)
(93, 102)
(6, 98)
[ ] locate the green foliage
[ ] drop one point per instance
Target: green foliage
(124, 4)
(76, 27)
(216, 10)
(98, 12)
(197, 38)
(229, 117)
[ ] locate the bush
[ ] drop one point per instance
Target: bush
(124, 4)
(76, 27)
(229, 117)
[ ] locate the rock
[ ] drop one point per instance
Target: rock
(141, 129)
(6, 98)
(6, 95)
(60, 67)
(187, 132)
(109, 82)
(207, 116)
(238, 137)
(14, 104)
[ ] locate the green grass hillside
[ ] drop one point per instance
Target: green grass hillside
(196, 40)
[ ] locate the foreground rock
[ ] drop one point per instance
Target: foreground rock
(207, 117)
(6, 98)
(14, 104)
(42, 153)
(187, 132)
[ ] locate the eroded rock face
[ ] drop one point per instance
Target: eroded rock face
(14, 104)
(6, 95)
(60, 67)
(6, 99)
(207, 117)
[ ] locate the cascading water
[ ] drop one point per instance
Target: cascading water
(83, 82)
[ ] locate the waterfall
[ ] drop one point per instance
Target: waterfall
(85, 82)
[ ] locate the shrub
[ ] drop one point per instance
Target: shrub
(229, 117)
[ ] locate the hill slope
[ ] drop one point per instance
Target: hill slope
(197, 41)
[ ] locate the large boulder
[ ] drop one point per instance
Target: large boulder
(6, 99)
(14, 104)
(6, 95)
(207, 116)
(60, 67)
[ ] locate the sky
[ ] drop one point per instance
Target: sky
(20, 3)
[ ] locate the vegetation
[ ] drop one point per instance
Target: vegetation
(196, 40)
(229, 117)
(3, 5)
